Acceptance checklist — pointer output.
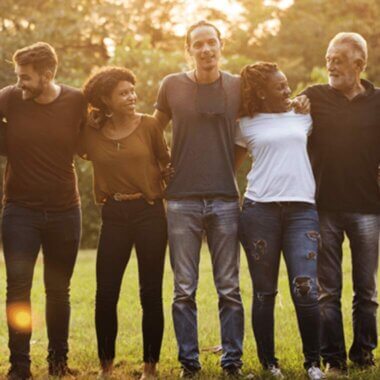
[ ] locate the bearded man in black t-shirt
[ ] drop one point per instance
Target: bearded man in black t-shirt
(41, 202)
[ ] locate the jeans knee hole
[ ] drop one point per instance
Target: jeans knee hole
(259, 249)
(302, 285)
(315, 236)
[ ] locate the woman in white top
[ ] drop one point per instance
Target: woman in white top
(279, 213)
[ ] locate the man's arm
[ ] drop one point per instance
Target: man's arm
(161, 118)
(4, 97)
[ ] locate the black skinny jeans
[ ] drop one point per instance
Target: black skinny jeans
(127, 224)
(24, 232)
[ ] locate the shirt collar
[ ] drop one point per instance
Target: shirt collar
(368, 86)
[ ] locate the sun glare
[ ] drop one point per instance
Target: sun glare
(19, 317)
(192, 11)
(281, 4)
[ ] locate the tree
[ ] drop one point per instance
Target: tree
(306, 28)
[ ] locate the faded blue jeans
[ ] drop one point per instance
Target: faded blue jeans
(265, 230)
(362, 231)
(188, 222)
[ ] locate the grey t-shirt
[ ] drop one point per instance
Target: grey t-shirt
(204, 122)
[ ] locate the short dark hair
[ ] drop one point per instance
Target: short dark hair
(40, 55)
(254, 77)
(198, 25)
(101, 84)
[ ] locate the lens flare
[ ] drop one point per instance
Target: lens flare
(19, 317)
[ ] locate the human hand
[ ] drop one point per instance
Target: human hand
(301, 104)
(167, 173)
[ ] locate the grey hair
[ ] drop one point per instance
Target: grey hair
(357, 42)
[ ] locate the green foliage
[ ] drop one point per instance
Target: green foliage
(139, 34)
(308, 26)
(150, 66)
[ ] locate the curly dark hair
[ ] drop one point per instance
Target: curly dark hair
(254, 77)
(100, 84)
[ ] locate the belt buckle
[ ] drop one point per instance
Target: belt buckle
(118, 197)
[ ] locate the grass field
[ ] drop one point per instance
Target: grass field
(128, 360)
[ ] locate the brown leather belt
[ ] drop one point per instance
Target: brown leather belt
(126, 197)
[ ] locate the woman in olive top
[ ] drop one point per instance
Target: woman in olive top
(128, 152)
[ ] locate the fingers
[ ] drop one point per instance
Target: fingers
(301, 104)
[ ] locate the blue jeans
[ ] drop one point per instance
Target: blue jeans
(24, 231)
(362, 231)
(265, 230)
(188, 222)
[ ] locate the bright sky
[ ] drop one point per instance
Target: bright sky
(232, 8)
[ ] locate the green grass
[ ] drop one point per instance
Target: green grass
(129, 344)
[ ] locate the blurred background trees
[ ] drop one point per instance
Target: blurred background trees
(147, 37)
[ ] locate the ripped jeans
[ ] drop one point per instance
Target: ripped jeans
(265, 230)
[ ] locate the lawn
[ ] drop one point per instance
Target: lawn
(128, 360)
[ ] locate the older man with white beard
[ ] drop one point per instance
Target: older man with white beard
(345, 154)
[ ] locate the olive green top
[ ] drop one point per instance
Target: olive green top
(128, 165)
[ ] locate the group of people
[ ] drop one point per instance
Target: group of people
(314, 179)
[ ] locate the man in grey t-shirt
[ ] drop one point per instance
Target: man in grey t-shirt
(203, 195)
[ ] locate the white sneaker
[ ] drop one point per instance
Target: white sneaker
(275, 372)
(315, 373)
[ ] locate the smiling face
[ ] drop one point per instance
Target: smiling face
(276, 93)
(30, 81)
(122, 99)
(343, 66)
(205, 48)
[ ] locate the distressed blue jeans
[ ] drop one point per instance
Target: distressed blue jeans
(265, 230)
(362, 231)
(188, 222)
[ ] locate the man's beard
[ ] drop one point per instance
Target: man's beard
(31, 93)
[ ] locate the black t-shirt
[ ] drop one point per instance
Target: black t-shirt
(344, 148)
(41, 141)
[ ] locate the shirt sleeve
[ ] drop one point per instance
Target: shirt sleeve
(81, 149)
(307, 91)
(4, 100)
(239, 137)
(3, 131)
(308, 124)
(160, 147)
(162, 103)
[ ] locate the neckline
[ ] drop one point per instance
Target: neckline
(53, 101)
(142, 116)
(220, 79)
